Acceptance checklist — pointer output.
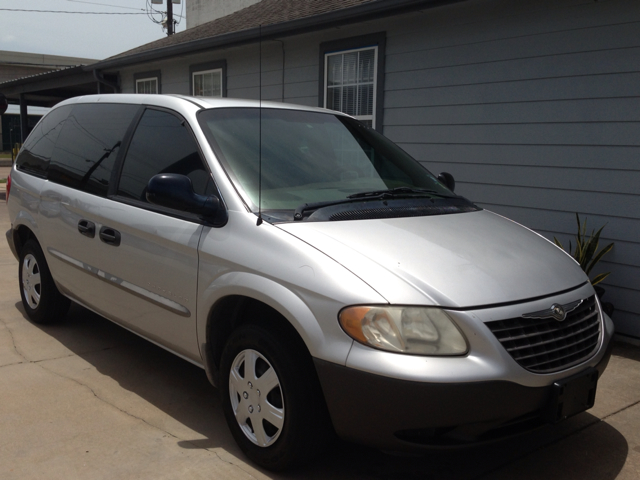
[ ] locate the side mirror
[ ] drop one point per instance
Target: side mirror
(448, 180)
(176, 191)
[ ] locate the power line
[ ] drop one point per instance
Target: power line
(65, 11)
(106, 5)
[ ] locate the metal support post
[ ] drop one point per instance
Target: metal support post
(24, 119)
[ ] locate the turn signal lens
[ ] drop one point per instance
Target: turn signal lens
(412, 330)
(8, 188)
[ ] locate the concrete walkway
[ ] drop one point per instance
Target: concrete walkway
(86, 399)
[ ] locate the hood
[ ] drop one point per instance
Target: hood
(460, 261)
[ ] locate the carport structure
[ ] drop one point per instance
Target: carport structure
(48, 89)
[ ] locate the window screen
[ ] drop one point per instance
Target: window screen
(36, 153)
(88, 145)
(351, 83)
(162, 143)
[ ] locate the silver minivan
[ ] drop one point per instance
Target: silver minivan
(324, 280)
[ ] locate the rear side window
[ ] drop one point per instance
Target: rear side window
(162, 143)
(88, 145)
(36, 152)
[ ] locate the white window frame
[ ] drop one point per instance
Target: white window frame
(143, 80)
(372, 117)
(203, 72)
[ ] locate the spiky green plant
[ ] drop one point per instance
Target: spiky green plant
(586, 252)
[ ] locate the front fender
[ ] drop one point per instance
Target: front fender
(324, 339)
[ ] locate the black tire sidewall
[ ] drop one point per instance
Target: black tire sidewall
(300, 436)
(52, 304)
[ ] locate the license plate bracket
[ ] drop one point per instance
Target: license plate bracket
(572, 395)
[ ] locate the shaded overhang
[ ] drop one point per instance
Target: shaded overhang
(48, 89)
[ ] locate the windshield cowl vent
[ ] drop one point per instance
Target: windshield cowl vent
(397, 212)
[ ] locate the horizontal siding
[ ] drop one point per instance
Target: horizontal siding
(444, 28)
(605, 204)
(534, 107)
(572, 156)
(554, 88)
(557, 178)
(555, 44)
(590, 110)
(569, 64)
(626, 323)
(547, 133)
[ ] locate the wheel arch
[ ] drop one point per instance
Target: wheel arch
(22, 233)
(23, 227)
(252, 298)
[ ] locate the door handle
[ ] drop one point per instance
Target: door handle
(87, 228)
(110, 236)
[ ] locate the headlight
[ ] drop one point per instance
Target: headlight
(412, 330)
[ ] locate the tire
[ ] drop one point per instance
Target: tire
(40, 296)
(276, 410)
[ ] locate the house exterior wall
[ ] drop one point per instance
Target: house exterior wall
(534, 107)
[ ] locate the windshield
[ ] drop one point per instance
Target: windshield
(309, 157)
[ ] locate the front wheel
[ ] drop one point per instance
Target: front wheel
(271, 398)
(40, 297)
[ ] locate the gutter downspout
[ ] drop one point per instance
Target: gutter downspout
(99, 76)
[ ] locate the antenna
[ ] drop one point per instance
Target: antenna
(259, 222)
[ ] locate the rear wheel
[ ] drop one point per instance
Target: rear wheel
(271, 398)
(40, 297)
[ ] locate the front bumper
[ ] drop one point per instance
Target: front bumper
(398, 414)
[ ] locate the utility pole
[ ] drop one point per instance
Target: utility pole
(170, 26)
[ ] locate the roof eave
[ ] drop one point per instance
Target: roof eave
(344, 16)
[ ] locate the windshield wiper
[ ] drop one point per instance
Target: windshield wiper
(373, 195)
(398, 191)
(305, 207)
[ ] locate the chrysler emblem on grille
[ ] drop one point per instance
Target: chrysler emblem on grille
(556, 311)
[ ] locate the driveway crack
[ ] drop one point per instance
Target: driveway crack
(621, 410)
(156, 427)
(15, 345)
(77, 382)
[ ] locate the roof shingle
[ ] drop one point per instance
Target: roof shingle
(266, 12)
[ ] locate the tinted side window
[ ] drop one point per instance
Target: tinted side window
(162, 143)
(88, 146)
(36, 153)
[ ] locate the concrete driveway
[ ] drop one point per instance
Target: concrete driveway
(86, 399)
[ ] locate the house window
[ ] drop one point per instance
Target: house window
(350, 82)
(148, 82)
(352, 77)
(209, 79)
(147, 85)
(207, 83)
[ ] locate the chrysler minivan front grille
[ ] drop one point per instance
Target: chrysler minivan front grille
(548, 345)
